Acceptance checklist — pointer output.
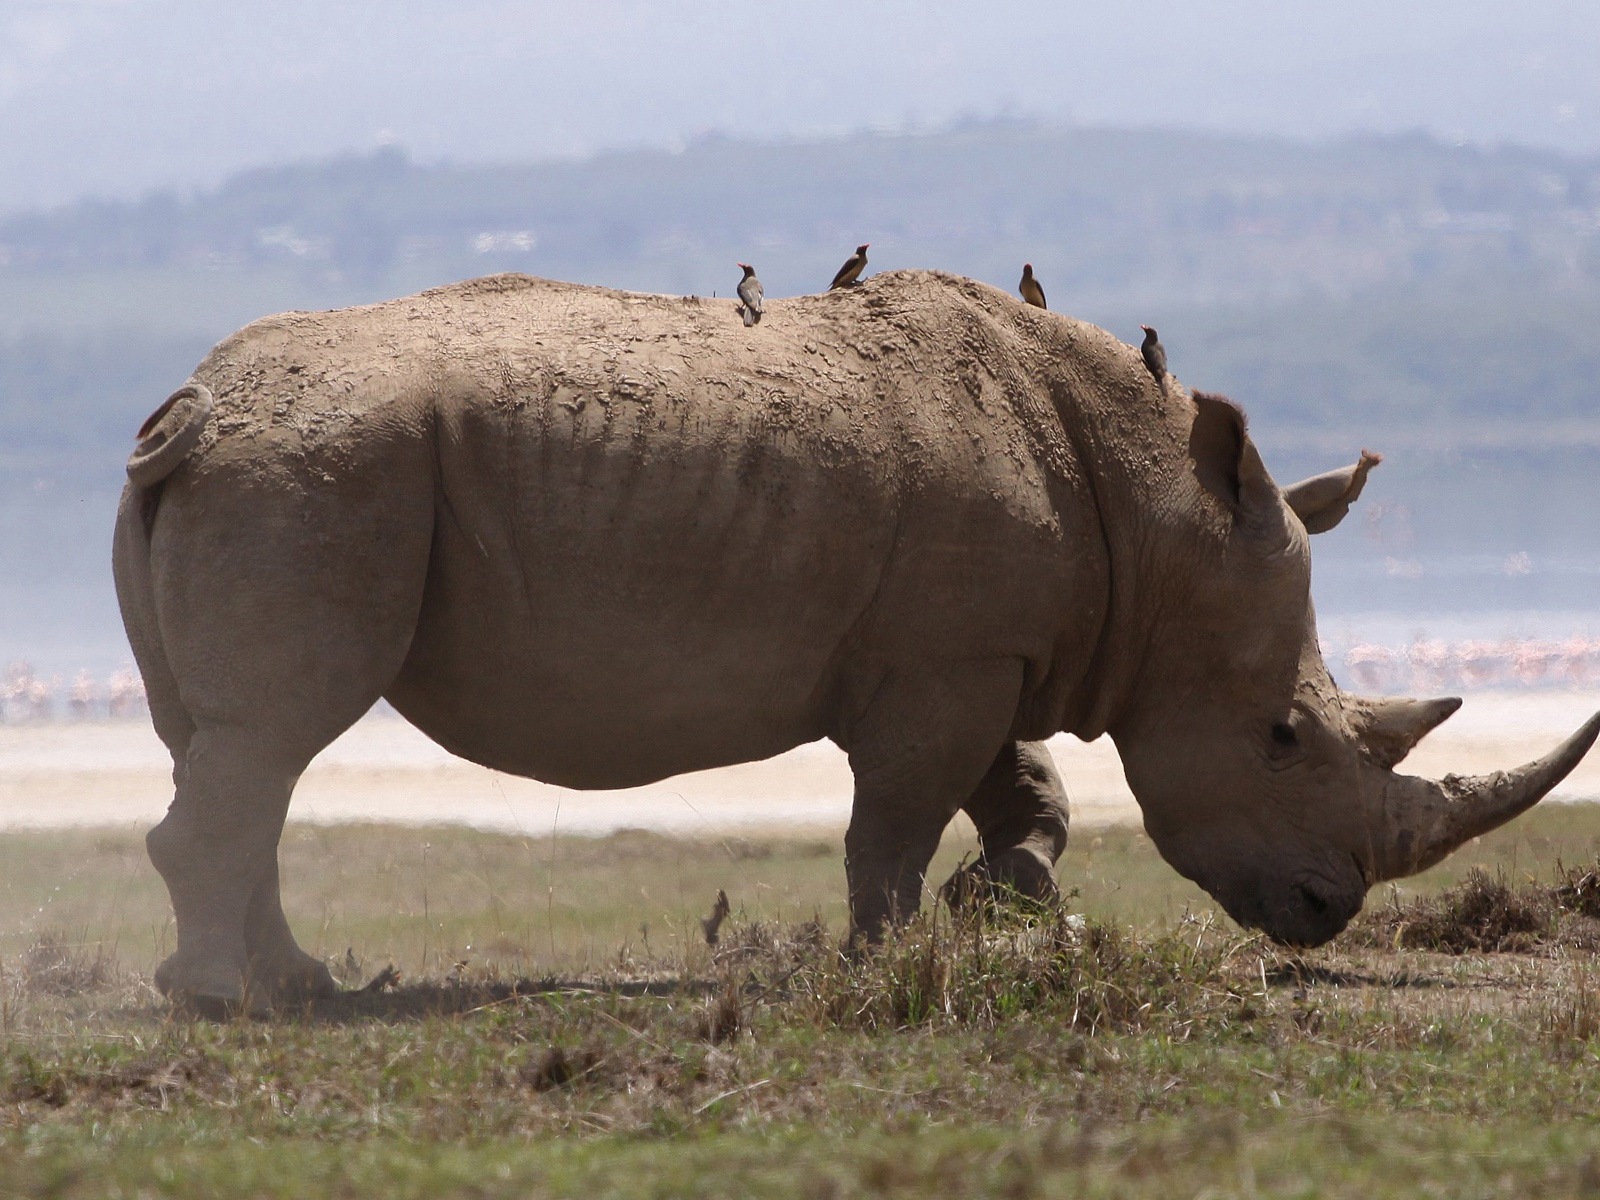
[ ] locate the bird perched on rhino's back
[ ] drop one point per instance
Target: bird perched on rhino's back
(1030, 289)
(853, 266)
(750, 294)
(1155, 358)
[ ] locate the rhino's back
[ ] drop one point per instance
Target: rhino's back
(658, 528)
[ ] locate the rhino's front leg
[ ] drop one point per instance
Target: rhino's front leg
(1020, 809)
(917, 753)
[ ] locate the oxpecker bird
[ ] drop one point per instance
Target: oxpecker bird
(1155, 358)
(750, 294)
(1030, 289)
(853, 266)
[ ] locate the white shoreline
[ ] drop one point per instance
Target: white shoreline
(107, 773)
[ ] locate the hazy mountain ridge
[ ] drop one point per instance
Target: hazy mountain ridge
(1434, 302)
(1400, 280)
(1109, 216)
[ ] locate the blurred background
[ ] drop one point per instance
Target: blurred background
(1373, 224)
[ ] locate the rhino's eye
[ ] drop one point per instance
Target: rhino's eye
(1284, 735)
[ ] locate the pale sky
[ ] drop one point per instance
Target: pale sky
(113, 97)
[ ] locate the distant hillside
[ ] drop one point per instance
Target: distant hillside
(1435, 302)
(1403, 279)
(1111, 217)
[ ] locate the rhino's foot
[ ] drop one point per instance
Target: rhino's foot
(291, 976)
(218, 988)
(1019, 873)
(210, 986)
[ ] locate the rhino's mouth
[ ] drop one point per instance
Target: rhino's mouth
(1320, 913)
(1302, 914)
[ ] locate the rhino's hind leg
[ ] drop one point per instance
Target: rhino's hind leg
(1020, 809)
(278, 628)
(272, 954)
(917, 753)
(217, 851)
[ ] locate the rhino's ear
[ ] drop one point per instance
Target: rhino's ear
(1228, 466)
(1322, 501)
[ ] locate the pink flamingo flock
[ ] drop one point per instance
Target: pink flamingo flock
(25, 695)
(1431, 665)
(1423, 667)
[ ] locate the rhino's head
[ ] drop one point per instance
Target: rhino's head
(1259, 778)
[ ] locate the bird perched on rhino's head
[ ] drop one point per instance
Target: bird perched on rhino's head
(853, 266)
(1030, 289)
(1155, 358)
(750, 294)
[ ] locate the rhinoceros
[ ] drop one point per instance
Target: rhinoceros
(599, 538)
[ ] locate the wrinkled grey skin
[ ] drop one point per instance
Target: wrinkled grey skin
(600, 538)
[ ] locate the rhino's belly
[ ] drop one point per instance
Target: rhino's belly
(603, 689)
(608, 637)
(583, 737)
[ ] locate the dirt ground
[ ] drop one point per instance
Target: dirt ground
(114, 773)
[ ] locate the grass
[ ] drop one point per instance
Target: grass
(590, 1043)
(426, 898)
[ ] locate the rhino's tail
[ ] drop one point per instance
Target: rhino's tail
(165, 439)
(169, 433)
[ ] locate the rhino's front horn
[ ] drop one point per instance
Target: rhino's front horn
(1422, 820)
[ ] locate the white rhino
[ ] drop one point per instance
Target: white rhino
(600, 538)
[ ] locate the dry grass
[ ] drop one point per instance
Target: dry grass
(1485, 913)
(52, 966)
(1006, 1056)
(1127, 1050)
